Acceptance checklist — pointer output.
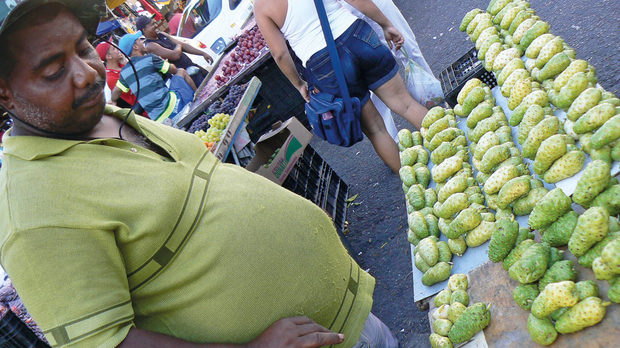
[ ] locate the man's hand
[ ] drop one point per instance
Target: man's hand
(296, 332)
(392, 35)
(207, 57)
(303, 90)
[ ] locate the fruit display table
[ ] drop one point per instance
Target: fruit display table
(508, 328)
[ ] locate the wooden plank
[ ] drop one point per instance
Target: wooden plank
(490, 283)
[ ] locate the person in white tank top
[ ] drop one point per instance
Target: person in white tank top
(296, 21)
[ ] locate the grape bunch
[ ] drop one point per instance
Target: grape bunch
(249, 47)
(225, 106)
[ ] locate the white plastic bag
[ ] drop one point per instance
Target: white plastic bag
(422, 85)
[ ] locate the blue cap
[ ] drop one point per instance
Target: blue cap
(126, 42)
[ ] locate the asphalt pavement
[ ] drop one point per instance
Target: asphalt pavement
(377, 218)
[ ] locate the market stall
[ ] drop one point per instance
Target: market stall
(524, 172)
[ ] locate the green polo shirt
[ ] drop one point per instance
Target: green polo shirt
(99, 236)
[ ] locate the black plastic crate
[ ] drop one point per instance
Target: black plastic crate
(454, 77)
(278, 95)
(14, 333)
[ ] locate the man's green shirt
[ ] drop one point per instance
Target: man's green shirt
(99, 236)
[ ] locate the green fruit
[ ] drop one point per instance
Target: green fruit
(509, 16)
(586, 259)
(442, 326)
(521, 16)
(428, 250)
(483, 24)
(555, 255)
(554, 66)
(479, 113)
(602, 271)
(608, 199)
(614, 289)
(468, 87)
(465, 221)
(494, 156)
(524, 234)
(432, 116)
(512, 79)
(511, 67)
(491, 54)
(560, 271)
(558, 313)
(412, 238)
(588, 312)
(553, 205)
(573, 68)
(459, 296)
(415, 196)
(457, 246)
(592, 226)
(519, 33)
(532, 116)
(472, 320)
(438, 341)
(543, 130)
(457, 282)
(524, 295)
(532, 264)
(496, 6)
(431, 224)
(468, 18)
(573, 88)
(443, 297)
(422, 155)
(534, 49)
(504, 57)
(608, 133)
(550, 150)
(503, 239)
(474, 97)
(416, 137)
(549, 50)
(516, 253)
(430, 197)
(504, 133)
(456, 184)
(484, 36)
(535, 31)
(553, 297)
(405, 138)
(407, 175)
(437, 273)
(525, 204)
(512, 190)
(584, 102)
(593, 181)
(452, 205)
(586, 288)
(565, 167)
(594, 118)
(541, 331)
(611, 255)
(445, 255)
(445, 169)
(480, 234)
(423, 176)
(487, 141)
(417, 224)
(517, 114)
(558, 234)
(420, 264)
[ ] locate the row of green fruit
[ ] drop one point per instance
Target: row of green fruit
(549, 74)
(505, 177)
(454, 320)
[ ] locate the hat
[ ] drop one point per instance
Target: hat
(126, 42)
(88, 12)
(142, 22)
(102, 50)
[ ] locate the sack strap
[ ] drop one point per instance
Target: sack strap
(333, 54)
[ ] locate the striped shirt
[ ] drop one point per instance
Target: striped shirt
(154, 97)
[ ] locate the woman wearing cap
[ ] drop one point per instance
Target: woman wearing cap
(165, 46)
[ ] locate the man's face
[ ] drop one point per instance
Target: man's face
(139, 45)
(149, 29)
(58, 79)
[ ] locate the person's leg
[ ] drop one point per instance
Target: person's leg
(395, 95)
(374, 128)
(182, 73)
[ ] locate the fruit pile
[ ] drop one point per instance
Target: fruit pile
(249, 47)
(226, 106)
(454, 320)
(217, 125)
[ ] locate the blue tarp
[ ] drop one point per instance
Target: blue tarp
(108, 26)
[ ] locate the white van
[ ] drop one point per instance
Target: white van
(217, 22)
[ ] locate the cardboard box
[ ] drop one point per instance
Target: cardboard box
(291, 138)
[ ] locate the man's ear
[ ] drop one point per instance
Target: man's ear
(6, 96)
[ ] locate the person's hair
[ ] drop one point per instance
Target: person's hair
(168, 16)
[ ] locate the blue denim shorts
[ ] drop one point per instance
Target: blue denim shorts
(366, 62)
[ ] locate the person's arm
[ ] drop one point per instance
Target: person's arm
(368, 8)
(279, 50)
(116, 93)
(190, 49)
(165, 53)
(288, 332)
